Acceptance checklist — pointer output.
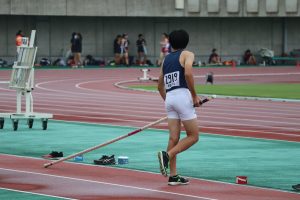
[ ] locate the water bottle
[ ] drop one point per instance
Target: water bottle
(78, 158)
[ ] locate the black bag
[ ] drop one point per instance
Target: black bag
(45, 62)
(3, 63)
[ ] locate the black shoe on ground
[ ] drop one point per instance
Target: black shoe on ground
(163, 159)
(178, 180)
(53, 155)
(106, 160)
(296, 187)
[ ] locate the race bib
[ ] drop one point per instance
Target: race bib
(171, 80)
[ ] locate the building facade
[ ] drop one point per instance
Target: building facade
(231, 26)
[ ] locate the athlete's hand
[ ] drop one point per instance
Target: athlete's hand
(196, 101)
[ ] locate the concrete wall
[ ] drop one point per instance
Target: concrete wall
(152, 8)
(231, 36)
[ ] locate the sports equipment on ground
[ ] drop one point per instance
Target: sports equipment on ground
(113, 140)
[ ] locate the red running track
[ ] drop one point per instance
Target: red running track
(90, 96)
(89, 182)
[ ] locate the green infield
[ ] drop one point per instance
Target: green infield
(285, 91)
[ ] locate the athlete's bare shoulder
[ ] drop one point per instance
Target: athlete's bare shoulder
(187, 52)
(186, 57)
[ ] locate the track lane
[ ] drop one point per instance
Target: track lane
(89, 95)
(97, 182)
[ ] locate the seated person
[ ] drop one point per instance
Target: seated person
(89, 61)
(214, 58)
(249, 59)
(71, 61)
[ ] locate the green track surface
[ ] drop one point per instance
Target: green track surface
(15, 195)
(285, 91)
(267, 163)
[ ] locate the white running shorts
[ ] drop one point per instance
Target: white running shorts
(179, 105)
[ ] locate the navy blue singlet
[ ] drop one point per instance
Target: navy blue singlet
(173, 72)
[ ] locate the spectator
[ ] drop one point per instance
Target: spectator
(71, 61)
(19, 42)
(19, 36)
(79, 41)
(125, 48)
(76, 48)
(249, 59)
(165, 47)
(141, 50)
(91, 61)
(73, 50)
(214, 58)
(117, 49)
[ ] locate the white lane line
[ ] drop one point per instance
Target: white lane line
(149, 99)
(258, 74)
(107, 183)
(95, 90)
(148, 172)
(250, 131)
(103, 91)
(34, 193)
(117, 102)
(129, 97)
(135, 122)
(133, 110)
(207, 133)
(153, 117)
(145, 110)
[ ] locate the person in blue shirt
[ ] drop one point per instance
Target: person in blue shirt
(176, 87)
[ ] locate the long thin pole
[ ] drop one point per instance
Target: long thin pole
(118, 138)
(106, 143)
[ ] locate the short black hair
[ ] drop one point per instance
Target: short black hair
(166, 35)
(19, 32)
(179, 39)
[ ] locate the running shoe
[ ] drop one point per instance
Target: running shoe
(53, 155)
(178, 180)
(296, 187)
(106, 160)
(163, 159)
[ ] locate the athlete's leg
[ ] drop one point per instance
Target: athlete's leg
(174, 128)
(192, 132)
(126, 58)
(145, 58)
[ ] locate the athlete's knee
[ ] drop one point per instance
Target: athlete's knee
(174, 139)
(194, 138)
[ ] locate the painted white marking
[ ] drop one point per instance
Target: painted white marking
(258, 74)
(136, 170)
(107, 183)
(34, 193)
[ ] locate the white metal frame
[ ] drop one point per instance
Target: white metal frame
(22, 80)
(145, 75)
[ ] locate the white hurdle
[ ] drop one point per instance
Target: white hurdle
(22, 80)
(145, 75)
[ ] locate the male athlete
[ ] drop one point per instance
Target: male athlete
(176, 87)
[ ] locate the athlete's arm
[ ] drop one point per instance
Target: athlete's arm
(188, 59)
(161, 85)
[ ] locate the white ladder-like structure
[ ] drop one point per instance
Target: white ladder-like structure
(22, 80)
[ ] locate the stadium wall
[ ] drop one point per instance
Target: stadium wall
(152, 8)
(231, 26)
